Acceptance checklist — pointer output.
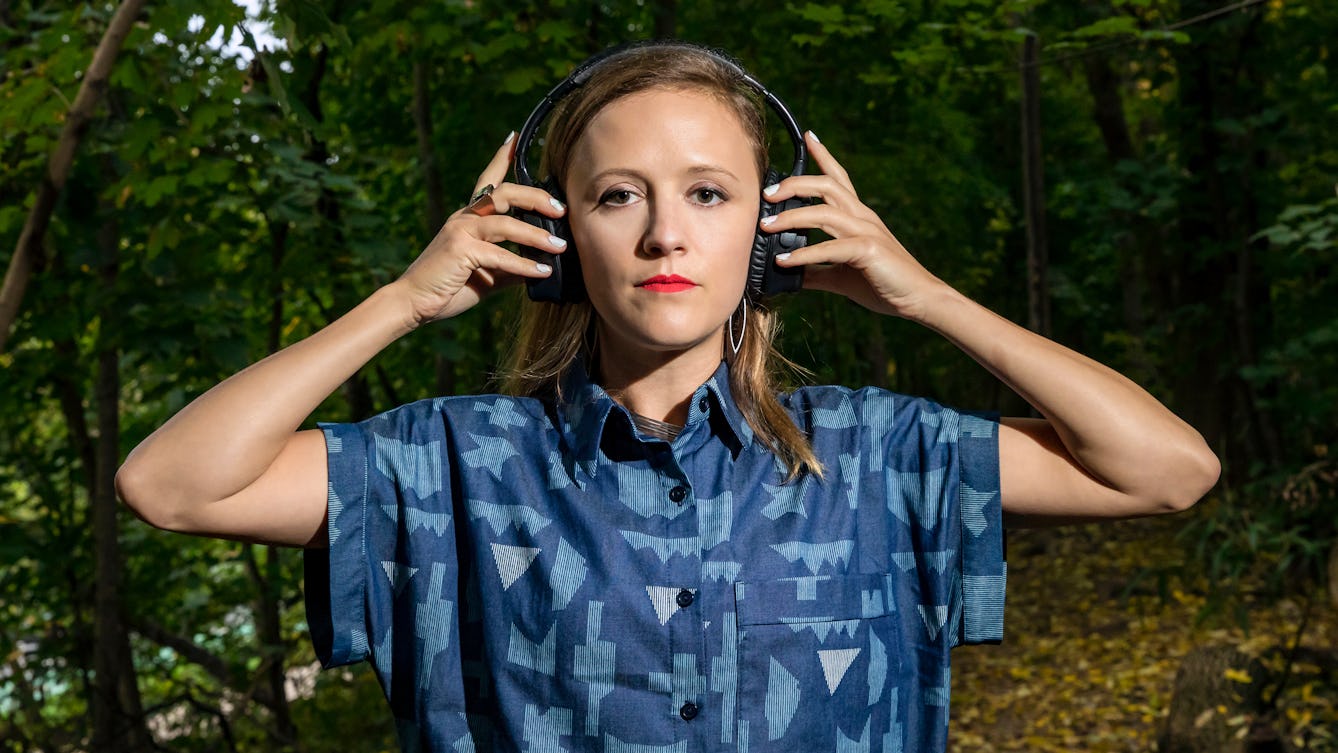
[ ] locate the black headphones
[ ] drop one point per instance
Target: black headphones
(565, 284)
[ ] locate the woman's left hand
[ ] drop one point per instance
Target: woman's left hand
(863, 260)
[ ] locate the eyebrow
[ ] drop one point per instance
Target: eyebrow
(694, 170)
(700, 169)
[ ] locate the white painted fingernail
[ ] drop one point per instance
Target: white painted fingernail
(543, 268)
(768, 220)
(771, 189)
(815, 138)
(782, 257)
(509, 136)
(556, 204)
(556, 242)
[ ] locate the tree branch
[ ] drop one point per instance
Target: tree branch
(184, 646)
(29, 246)
(207, 660)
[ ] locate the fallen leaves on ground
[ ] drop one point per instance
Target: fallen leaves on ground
(1092, 646)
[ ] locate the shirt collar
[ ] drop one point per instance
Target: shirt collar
(586, 410)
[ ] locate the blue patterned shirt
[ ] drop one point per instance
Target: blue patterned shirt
(526, 576)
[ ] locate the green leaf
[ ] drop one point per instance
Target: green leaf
(521, 80)
(308, 21)
(1113, 26)
(152, 192)
(832, 13)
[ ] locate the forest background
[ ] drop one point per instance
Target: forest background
(1152, 182)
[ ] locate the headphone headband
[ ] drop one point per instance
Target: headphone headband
(582, 73)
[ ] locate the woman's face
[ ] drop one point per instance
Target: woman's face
(663, 196)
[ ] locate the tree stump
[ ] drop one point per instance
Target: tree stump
(1217, 705)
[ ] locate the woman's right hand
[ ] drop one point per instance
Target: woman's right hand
(465, 261)
(233, 464)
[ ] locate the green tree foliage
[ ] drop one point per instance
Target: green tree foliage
(231, 199)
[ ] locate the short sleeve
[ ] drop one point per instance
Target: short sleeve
(942, 487)
(984, 570)
(336, 577)
(385, 491)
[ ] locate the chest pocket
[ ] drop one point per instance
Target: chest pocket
(819, 661)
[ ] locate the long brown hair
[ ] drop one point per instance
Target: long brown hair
(553, 336)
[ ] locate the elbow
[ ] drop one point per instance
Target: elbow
(135, 487)
(1194, 476)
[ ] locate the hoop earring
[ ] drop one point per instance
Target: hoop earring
(735, 344)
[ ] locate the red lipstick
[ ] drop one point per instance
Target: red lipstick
(667, 284)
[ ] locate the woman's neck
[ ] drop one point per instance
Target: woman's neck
(656, 384)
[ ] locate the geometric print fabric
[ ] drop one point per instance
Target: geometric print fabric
(530, 576)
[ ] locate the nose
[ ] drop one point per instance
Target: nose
(666, 231)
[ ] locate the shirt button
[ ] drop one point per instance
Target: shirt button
(678, 494)
(703, 405)
(688, 711)
(684, 599)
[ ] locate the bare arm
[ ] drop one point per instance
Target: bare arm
(1105, 448)
(230, 463)
(233, 464)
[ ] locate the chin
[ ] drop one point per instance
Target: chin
(669, 342)
(666, 334)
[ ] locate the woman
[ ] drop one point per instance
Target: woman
(643, 547)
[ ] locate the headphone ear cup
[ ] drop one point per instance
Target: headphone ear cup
(564, 284)
(765, 279)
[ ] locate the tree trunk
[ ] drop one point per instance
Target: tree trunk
(278, 247)
(118, 717)
(1214, 685)
(666, 25)
(70, 396)
(71, 399)
(273, 649)
(1141, 240)
(435, 208)
(268, 610)
(28, 250)
(877, 355)
(594, 15)
(1253, 303)
(1333, 575)
(1201, 283)
(427, 157)
(356, 389)
(1033, 190)
(1215, 271)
